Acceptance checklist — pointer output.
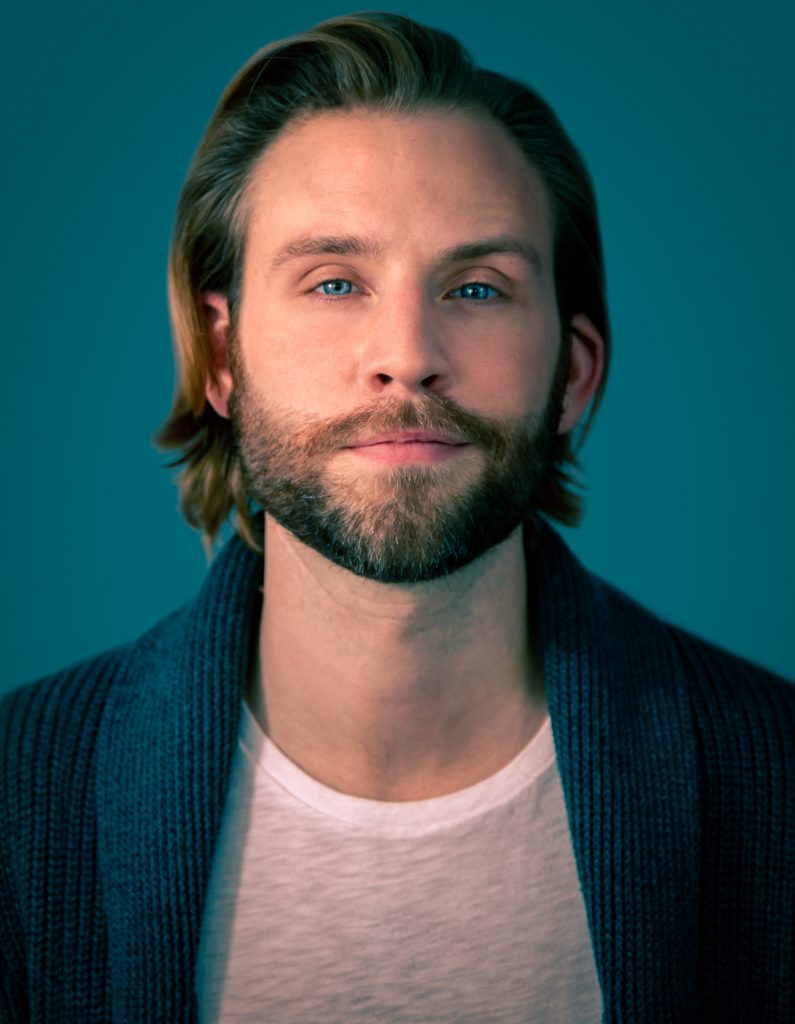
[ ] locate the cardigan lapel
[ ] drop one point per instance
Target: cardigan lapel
(165, 752)
(626, 747)
(626, 753)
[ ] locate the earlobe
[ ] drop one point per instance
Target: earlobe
(585, 371)
(218, 382)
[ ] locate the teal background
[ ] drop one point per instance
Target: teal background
(685, 116)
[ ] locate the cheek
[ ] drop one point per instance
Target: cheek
(294, 371)
(276, 352)
(515, 377)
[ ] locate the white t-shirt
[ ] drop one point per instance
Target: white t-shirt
(324, 907)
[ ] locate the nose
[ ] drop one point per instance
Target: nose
(403, 352)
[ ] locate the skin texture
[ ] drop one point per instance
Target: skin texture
(376, 683)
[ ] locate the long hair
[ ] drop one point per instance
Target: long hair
(376, 61)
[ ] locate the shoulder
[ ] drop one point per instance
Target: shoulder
(49, 729)
(655, 658)
(725, 681)
(52, 725)
(706, 664)
(743, 714)
(54, 712)
(730, 674)
(58, 711)
(48, 738)
(50, 748)
(735, 705)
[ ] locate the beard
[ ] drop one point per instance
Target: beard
(405, 523)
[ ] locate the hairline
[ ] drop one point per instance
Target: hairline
(241, 211)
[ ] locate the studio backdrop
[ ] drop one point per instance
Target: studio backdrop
(684, 114)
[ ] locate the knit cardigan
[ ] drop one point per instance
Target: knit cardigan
(677, 762)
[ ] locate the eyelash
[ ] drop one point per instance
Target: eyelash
(326, 297)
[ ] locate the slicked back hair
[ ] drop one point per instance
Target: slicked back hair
(375, 61)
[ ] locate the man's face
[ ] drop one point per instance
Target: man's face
(397, 354)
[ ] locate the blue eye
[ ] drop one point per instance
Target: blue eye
(336, 286)
(475, 291)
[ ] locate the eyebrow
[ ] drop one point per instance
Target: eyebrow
(322, 245)
(500, 243)
(351, 245)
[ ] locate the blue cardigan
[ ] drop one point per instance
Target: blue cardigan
(678, 769)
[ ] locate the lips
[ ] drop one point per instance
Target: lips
(410, 437)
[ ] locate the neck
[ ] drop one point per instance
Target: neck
(396, 692)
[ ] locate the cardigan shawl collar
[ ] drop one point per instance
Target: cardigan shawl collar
(626, 748)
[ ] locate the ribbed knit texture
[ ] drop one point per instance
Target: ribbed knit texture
(677, 762)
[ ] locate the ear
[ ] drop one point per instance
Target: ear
(218, 384)
(585, 371)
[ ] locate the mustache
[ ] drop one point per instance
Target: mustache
(389, 415)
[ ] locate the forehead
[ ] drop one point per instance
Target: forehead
(431, 179)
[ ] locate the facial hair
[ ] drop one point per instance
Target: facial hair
(404, 523)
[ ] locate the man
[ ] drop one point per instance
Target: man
(415, 764)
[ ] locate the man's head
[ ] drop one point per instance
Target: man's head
(375, 236)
